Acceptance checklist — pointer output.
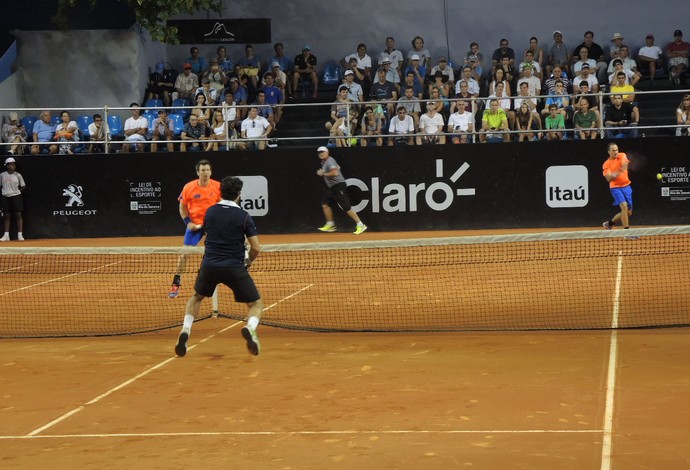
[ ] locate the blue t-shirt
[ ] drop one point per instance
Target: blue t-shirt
(226, 226)
(45, 132)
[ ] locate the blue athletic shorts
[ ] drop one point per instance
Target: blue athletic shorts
(621, 195)
(192, 238)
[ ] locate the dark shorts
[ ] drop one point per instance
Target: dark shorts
(12, 204)
(337, 194)
(236, 278)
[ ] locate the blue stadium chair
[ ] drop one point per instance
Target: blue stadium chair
(178, 121)
(332, 74)
(153, 103)
(28, 123)
(83, 125)
(115, 125)
(55, 120)
(178, 103)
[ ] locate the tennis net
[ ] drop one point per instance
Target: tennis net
(560, 280)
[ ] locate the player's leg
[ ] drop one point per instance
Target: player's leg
(191, 312)
(191, 238)
(344, 202)
(327, 212)
(249, 332)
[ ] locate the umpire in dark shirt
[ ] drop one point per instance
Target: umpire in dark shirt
(227, 225)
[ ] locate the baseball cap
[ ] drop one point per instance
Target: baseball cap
(213, 60)
(472, 58)
(678, 32)
(13, 116)
(306, 48)
(527, 66)
(617, 36)
(10, 160)
(349, 72)
(187, 65)
(585, 66)
(414, 57)
(275, 64)
(386, 60)
(650, 36)
(322, 149)
(557, 32)
(160, 66)
(443, 59)
(205, 80)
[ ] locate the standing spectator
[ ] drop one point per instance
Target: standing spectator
(420, 51)
(161, 84)
(559, 54)
(650, 57)
(192, 131)
(99, 132)
(585, 121)
(401, 128)
(395, 57)
(683, 116)
(620, 115)
(66, 133)
(255, 130)
(431, 126)
(250, 66)
(136, 128)
(163, 129)
(43, 133)
(197, 62)
(502, 50)
(461, 123)
(677, 53)
(187, 82)
(12, 184)
(305, 68)
(336, 194)
(594, 52)
(13, 132)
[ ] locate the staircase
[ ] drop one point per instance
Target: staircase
(659, 109)
(307, 118)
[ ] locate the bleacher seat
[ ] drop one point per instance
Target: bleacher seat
(184, 112)
(28, 123)
(153, 103)
(332, 74)
(55, 120)
(178, 121)
(83, 123)
(115, 125)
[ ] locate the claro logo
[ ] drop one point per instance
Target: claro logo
(567, 186)
(396, 197)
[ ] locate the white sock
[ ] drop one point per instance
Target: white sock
(20, 234)
(252, 323)
(188, 321)
(7, 234)
(330, 223)
(360, 223)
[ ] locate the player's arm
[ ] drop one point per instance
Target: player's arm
(254, 249)
(184, 213)
(330, 173)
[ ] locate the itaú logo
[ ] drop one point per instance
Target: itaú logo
(396, 197)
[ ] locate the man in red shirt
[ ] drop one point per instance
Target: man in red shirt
(616, 173)
(196, 197)
(678, 53)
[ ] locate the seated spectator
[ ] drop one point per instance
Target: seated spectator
(494, 124)
(431, 126)
(585, 76)
(216, 78)
(619, 117)
(624, 56)
(677, 52)
(585, 121)
(384, 92)
(592, 101)
(250, 66)
(472, 84)
(533, 83)
(524, 122)
(229, 110)
(43, 133)
(280, 80)
(559, 54)
(136, 128)
(264, 109)
(417, 89)
(305, 68)
(362, 63)
(537, 52)
(99, 132)
(354, 90)
(411, 105)
(511, 75)
(418, 70)
(525, 96)
(343, 118)
(445, 70)
(392, 74)
(650, 57)
(192, 133)
(401, 128)
(395, 58)
(596, 53)
(209, 93)
(503, 50)
(239, 94)
(504, 102)
(461, 123)
(618, 44)
(550, 83)
(440, 84)
(186, 83)
(284, 62)
(161, 84)
(66, 134)
(631, 78)
(197, 62)
(219, 133)
(683, 116)
(554, 124)
(421, 52)
(13, 132)
(255, 130)
(372, 125)
(476, 106)
(622, 88)
(442, 106)
(529, 60)
(499, 77)
(584, 58)
(201, 111)
(560, 99)
(475, 60)
(224, 62)
(163, 129)
(274, 97)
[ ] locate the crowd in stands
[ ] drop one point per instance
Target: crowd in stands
(398, 98)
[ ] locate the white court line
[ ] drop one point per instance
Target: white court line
(5, 271)
(58, 278)
(309, 433)
(146, 372)
(611, 376)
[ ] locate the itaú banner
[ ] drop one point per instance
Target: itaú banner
(223, 31)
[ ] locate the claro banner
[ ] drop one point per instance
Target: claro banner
(452, 187)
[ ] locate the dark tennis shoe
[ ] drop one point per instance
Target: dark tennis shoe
(253, 345)
(181, 346)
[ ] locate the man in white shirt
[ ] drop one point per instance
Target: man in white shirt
(431, 124)
(255, 129)
(650, 57)
(401, 128)
(461, 123)
(136, 128)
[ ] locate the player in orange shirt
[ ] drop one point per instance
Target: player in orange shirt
(616, 173)
(195, 199)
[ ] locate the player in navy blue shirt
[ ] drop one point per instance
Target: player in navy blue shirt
(227, 225)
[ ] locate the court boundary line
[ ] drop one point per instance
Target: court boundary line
(95, 400)
(56, 279)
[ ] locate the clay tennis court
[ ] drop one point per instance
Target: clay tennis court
(589, 399)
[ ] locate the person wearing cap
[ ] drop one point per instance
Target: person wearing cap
(650, 57)
(583, 55)
(354, 90)
(162, 128)
(446, 70)
(415, 66)
(43, 133)
(161, 84)
(336, 193)
(305, 69)
(196, 61)
(617, 44)
(395, 59)
(13, 132)
(250, 66)
(187, 82)
(392, 75)
(11, 186)
(559, 54)
(431, 125)
(596, 53)
(215, 77)
(474, 58)
(439, 89)
(586, 76)
(677, 52)
(501, 51)
(420, 51)
(529, 61)
(210, 93)
(224, 62)
(280, 80)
